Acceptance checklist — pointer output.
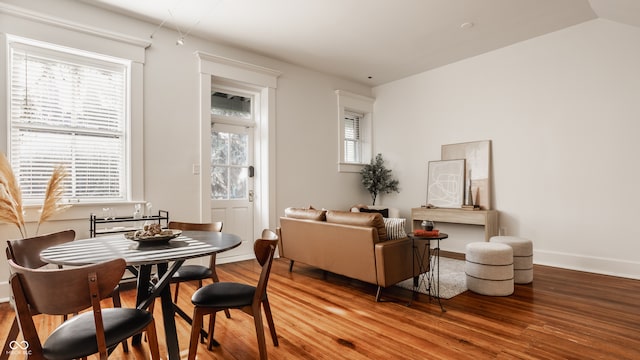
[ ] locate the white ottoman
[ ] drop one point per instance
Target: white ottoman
(489, 268)
(522, 257)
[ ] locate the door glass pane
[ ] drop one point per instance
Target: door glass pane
(229, 165)
(238, 182)
(219, 148)
(239, 148)
(219, 182)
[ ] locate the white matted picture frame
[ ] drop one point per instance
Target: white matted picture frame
(445, 185)
(477, 155)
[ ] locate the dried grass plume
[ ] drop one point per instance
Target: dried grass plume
(10, 197)
(11, 209)
(52, 199)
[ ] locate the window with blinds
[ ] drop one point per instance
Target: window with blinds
(352, 136)
(68, 108)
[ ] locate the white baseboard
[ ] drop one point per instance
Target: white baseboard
(230, 259)
(5, 291)
(593, 264)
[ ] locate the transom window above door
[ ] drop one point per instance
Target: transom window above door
(230, 105)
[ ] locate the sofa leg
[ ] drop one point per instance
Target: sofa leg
(290, 265)
(378, 293)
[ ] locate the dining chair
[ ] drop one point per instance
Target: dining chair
(210, 299)
(70, 291)
(26, 252)
(196, 272)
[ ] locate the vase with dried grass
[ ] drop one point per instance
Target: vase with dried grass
(11, 209)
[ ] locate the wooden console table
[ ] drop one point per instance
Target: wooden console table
(486, 218)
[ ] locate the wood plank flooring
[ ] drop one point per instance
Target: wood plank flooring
(563, 315)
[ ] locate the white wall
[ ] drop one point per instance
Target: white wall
(560, 109)
(306, 123)
(562, 112)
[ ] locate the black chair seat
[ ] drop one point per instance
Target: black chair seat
(191, 272)
(75, 338)
(224, 295)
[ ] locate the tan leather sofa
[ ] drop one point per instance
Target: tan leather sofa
(345, 243)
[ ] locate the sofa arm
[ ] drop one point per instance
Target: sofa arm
(394, 261)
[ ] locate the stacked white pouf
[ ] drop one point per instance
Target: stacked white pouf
(522, 257)
(489, 268)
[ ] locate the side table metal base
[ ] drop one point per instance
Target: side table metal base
(428, 260)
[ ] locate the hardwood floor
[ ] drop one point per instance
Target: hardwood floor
(563, 315)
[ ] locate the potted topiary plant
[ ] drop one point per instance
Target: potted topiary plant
(377, 179)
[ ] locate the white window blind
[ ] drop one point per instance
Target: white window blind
(68, 108)
(352, 136)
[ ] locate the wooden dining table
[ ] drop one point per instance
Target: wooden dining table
(140, 257)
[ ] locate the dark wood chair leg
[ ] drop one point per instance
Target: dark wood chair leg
(117, 303)
(272, 326)
(257, 320)
(175, 294)
(291, 266)
(212, 327)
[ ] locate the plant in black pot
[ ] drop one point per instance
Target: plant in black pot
(377, 179)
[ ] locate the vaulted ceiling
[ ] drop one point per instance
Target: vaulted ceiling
(370, 41)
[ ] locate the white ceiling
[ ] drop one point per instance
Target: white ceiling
(382, 39)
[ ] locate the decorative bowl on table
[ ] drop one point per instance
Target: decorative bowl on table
(145, 236)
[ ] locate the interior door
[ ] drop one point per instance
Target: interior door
(232, 185)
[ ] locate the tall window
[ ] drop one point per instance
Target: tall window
(355, 118)
(352, 137)
(68, 107)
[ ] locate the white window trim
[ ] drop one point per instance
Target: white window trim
(43, 27)
(52, 53)
(348, 101)
(264, 81)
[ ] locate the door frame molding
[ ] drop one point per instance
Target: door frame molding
(265, 82)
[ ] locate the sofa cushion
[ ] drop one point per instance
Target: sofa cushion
(359, 219)
(305, 214)
(395, 228)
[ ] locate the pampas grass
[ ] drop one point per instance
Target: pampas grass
(10, 197)
(11, 210)
(52, 205)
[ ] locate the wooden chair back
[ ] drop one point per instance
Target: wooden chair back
(264, 250)
(66, 291)
(60, 292)
(185, 226)
(269, 234)
(214, 226)
(26, 252)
